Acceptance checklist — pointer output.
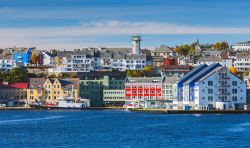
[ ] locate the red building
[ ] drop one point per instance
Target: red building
(16, 92)
(140, 90)
(170, 61)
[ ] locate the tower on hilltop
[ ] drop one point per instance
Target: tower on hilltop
(136, 42)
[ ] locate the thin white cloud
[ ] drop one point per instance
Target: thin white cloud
(8, 36)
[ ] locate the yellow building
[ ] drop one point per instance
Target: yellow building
(48, 91)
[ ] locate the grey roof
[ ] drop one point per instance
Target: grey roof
(144, 79)
(210, 58)
(243, 54)
(163, 48)
(135, 57)
(106, 55)
(119, 56)
(4, 56)
(35, 82)
(66, 83)
(64, 54)
(123, 50)
(247, 42)
(170, 80)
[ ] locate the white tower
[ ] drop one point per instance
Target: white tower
(136, 49)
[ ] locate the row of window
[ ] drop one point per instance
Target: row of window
(145, 86)
(113, 98)
(141, 92)
(223, 98)
(116, 92)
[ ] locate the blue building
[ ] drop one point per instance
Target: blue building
(22, 57)
(209, 87)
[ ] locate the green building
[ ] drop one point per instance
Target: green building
(96, 90)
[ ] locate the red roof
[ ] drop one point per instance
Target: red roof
(16, 85)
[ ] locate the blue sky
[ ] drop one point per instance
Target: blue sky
(69, 24)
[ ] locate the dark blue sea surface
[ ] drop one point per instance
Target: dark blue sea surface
(107, 128)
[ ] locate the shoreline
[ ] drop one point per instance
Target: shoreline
(154, 111)
(151, 111)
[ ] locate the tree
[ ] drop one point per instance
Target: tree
(52, 76)
(55, 52)
(34, 59)
(149, 71)
(221, 45)
(185, 50)
(134, 73)
(233, 70)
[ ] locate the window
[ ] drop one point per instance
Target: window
(234, 83)
(234, 98)
(210, 91)
(210, 98)
(234, 91)
(210, 83)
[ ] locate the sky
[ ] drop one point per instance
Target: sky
(71, 24)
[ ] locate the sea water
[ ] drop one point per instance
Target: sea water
(109, 128)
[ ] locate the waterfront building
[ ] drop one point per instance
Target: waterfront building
(102, 91)
(49, 90)
(242, 46)
(144, 92)
(15, 93)
(167, 91)
(209, 87)
(113, 92)
(247, 81)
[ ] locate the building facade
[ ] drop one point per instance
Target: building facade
(242, 46)
(48, 91)
(143, 92)
(105, 91)
(6, 62)
(209, 87)
(242, 61)
(22, 57)
(16, 93)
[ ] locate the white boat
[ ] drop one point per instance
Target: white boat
(69, 103)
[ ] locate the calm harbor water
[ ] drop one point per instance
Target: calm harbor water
(106, 128)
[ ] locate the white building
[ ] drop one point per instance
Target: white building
(6, 62)
(209, 87)
(48, 58)
(136, 42)
(215, 59)
(242, 46)
(242, 61)
(73, 61)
